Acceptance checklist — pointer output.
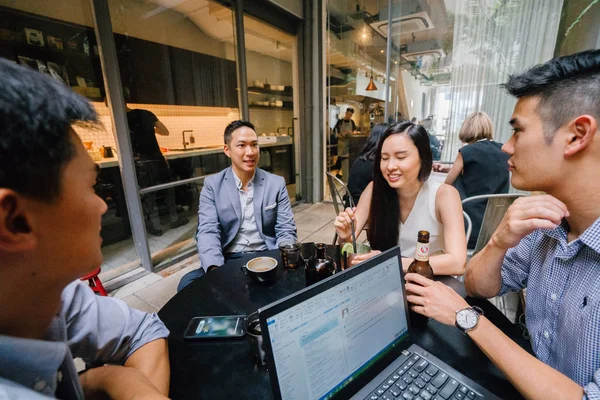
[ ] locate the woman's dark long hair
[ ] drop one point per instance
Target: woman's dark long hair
(384, 215)
(370, 148)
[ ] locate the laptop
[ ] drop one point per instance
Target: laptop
(349, 337)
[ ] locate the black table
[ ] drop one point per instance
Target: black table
(225, 369)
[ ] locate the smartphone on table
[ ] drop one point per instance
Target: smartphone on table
(216, 327)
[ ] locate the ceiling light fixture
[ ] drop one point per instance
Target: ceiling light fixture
(371, 86)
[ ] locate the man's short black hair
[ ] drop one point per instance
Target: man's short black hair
(236, 125)
(36, 113)
(568, 86)
(350, 109)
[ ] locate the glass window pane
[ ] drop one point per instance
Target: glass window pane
(447, 60)
(272, 72)
(58, 38)
(178, 73)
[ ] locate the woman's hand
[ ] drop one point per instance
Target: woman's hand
(438, 167)
(433, 299)
(358, 258)
(343, 224)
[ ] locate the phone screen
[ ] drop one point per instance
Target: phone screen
(216, 327)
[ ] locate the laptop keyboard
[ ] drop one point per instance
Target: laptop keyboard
(418, 379)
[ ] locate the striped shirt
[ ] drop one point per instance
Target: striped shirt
(563, 300)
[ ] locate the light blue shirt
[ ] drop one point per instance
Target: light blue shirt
(248, 237)
(563, 300)
(100, 330)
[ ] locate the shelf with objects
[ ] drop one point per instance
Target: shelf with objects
(265, 95)
(63, 50)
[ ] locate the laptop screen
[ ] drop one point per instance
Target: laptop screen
(324, 342)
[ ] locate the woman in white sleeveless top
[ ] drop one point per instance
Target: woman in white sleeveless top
(401, 201)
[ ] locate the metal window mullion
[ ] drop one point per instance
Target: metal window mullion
(240, 47)
(316, 107)
(114, 91)
(387, 64)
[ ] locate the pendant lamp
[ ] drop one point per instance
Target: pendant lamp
(371, 85)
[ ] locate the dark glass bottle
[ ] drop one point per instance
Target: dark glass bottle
(319, 266)
(421, 265)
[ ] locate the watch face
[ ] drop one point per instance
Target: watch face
(467, 318)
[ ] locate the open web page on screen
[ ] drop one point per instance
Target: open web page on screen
(323, 343)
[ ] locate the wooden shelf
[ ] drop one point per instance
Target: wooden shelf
(257, 90)
(272, 108)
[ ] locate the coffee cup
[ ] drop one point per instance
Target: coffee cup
(255, 339)
(261, 269)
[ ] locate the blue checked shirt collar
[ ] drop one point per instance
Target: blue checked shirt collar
(35, 363)
(590, 237)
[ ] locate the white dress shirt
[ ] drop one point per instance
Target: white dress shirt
(248, 237)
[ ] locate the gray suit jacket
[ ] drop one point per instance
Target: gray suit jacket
(219, 213)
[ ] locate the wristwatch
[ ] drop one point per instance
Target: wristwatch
(467, 318)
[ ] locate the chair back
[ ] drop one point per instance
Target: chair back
(469, 224)
(338, 191)
(494, 212)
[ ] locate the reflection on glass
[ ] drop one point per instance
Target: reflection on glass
(171, 221)
(272, 72)
(447, 60)
(178, 73)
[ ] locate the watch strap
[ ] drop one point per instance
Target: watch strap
(477, 310)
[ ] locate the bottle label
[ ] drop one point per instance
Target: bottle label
(422, 252)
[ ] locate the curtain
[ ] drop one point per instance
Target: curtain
(493, 39)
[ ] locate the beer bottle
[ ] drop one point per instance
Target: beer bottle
(421, 264)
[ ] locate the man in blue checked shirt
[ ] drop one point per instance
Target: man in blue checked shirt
(50, 219)
(549, 244)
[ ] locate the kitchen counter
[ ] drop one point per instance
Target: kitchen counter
(175, 154)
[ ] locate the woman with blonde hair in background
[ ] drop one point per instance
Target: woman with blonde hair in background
(480, 168)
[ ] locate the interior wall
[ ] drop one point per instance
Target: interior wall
(413, 94)
(133, 18)
(207, 124)
(259, 67)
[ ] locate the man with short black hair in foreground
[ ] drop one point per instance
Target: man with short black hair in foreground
(548, 244)
(50, 221)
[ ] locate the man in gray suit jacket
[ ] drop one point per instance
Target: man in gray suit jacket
(242, 208)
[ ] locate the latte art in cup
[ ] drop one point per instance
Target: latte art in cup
(261, 264)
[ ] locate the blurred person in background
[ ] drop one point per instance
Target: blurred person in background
(434, 143)
(152, 168)
(342, 130)
(361, 172)
(480, 168)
